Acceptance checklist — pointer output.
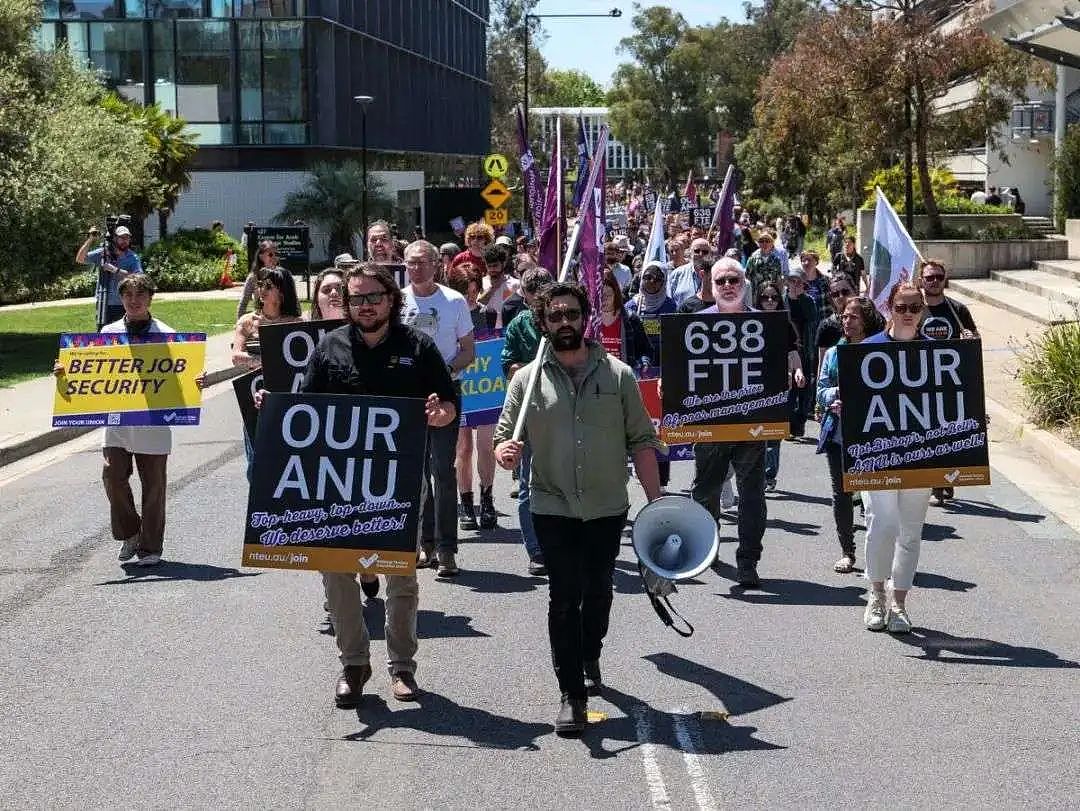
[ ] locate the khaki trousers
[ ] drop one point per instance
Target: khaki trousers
(116, 475)
(346, 607)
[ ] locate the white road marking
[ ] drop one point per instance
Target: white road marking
(695, 767)
(654, 778)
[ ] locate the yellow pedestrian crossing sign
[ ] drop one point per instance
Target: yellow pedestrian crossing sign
(495, 193)
(496, 165)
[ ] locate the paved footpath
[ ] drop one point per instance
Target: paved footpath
(201, 685)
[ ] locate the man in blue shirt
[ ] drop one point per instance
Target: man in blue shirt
(113, 266)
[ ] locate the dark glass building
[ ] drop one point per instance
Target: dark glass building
(269, 84)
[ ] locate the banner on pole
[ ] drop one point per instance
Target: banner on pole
(913, 414)
(725, 377)
(337, 484)
(893, 255)
(116, 379)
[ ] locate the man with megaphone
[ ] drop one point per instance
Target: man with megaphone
(584, 416)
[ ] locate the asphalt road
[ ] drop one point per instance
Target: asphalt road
(199, 685)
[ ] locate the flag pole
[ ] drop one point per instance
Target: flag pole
(564, 271)
(559, 199)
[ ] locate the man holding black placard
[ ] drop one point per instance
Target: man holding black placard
(376, 354)
(712, 459)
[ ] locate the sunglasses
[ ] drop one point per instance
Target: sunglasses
(701, 252)
(649, 277)
(769, 298)
(933, 277)
(359, 299)
(838, 293)
(331, 289)
(728, 281)
(914, 309)
(567, 315)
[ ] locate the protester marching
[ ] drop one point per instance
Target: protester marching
(685, 330)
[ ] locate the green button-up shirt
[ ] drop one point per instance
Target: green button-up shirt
(580, 438)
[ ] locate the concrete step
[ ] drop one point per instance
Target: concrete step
(1040, 283)
(1065, 268)
(1015, 300)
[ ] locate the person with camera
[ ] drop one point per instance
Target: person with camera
(115, 261)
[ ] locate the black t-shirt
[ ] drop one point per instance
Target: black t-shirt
(694, 304)
(406, 364)
(829, 333)
(945, 320)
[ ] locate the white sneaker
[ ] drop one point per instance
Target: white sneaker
(149, 560)
(899, 621)
(127, 551)
(875, 614)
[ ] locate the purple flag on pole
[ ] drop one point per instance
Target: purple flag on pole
(529, 173)
(582, 162)
(591, 270)
(551, 229)
(723, 224)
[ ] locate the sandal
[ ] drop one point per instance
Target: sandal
(845, 565)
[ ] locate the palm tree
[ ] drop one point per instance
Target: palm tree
(333, 199)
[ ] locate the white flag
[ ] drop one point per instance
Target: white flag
(657, 247)
(892, 256)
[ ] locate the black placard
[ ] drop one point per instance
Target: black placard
(336, 486)
(244, 387)
(703, 216)
(725, 377)
(397, 270)
(293, 241)
(913, 414)
(286, 350)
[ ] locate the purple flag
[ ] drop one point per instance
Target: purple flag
(723, 224)
(591, 269)
(551, 225)
(529, 173)
(582, 162)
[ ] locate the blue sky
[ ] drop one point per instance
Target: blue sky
(590, 45)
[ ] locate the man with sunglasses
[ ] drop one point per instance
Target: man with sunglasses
(945, 318)
(685, 281)
(592, 417)
(376, 354)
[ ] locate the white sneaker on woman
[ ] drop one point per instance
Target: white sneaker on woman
(875, 614)
(899, 621)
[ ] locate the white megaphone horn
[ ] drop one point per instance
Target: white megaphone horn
(674, 538)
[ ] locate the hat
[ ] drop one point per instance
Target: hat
(622, 242)
(449, 248)
(345, 259)
(122, 231)
(504, 240)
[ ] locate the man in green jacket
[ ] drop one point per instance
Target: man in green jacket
(585, 416)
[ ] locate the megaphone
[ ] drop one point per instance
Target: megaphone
(674, 538)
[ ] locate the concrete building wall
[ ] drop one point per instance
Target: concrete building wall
(236, 197)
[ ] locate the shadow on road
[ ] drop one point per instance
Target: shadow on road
(176, 570)
(794, 527)
(980, 509)
(682, 730)
(489, 582)
(438, 715)
(974, 651)
(781, 591)
(788, 495)
(429, 624)
(929, 580)
(940, 532)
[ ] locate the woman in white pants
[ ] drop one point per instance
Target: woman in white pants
(894, 518)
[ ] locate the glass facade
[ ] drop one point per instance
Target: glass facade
(284, 72)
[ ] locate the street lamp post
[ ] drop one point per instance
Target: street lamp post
(615, 12)
(363, 101)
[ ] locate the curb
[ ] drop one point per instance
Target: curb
(57, 436)
(1054, 451)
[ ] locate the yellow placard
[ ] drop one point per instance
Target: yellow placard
(129, 384)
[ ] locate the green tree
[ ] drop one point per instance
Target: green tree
(333, 199)
(172, 145)
(569, 88)
(64, 161)
(810, 107)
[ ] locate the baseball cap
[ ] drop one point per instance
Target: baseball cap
(345, 259)
(449, 248)
(504, 240)
(122, 231)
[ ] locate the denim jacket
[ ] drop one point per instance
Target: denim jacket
(827, 392)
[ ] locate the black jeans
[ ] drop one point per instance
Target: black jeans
(711, 462)
(580, 559)
(438, 496)
(842, 510)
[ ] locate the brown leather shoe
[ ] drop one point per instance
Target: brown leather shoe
(349, 690)
(403, 686)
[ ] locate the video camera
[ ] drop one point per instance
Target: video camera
(112, 222)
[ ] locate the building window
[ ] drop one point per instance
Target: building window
(91, 9)
(164, 65)
(176, 9)
(204, 78)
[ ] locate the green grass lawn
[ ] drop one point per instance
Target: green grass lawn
(29, 339)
